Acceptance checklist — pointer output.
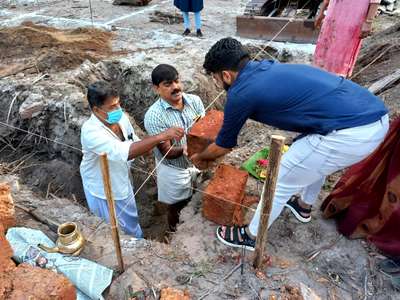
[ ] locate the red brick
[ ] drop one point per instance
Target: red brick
(5, 285)
(174, 294)
(7, 212)
(5, 247)
(36, 283)
(204, 132)
(224, 192)
(6, 265)
(239, 216)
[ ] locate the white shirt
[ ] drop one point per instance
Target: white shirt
(97, 138)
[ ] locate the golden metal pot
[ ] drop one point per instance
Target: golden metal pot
(70, 240)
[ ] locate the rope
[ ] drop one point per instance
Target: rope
(170, 149)
(203, 192)
(40, 136)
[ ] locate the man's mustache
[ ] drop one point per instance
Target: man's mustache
(176, 91)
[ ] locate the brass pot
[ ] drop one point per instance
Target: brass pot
(70, 240)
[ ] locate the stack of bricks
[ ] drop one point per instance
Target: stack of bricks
(25, 281)
(204, 132)
(224, 196)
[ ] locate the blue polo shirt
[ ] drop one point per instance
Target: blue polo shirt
(297, 98)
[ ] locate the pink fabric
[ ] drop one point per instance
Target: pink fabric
(339, 40)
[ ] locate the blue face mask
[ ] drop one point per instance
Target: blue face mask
(114, 116)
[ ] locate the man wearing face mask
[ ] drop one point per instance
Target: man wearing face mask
(340, 122)
(172, 109)
(109, 131)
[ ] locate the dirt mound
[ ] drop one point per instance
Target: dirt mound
(165, 17)
(379, 57)
(44, 48)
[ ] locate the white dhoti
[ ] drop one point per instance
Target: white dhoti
(174, 184)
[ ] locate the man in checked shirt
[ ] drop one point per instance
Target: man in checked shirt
(173, 108)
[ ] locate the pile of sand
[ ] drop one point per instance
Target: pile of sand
(43, 48)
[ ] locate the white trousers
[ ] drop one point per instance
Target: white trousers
(310, 159)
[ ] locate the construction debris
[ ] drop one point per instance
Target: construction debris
(390, 7)
(385, 82)
(166, 18)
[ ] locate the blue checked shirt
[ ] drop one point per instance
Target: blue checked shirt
(161, 116)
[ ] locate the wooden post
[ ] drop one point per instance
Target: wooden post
(275, 153)
(111, 208)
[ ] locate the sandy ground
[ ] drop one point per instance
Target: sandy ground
(194, 260)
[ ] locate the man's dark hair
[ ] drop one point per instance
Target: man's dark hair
(226, 54)
(162, 73)
(99, 92)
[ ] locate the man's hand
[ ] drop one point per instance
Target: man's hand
(366, 29)
(172, 133)
(321, 15)
(318, 21)
(198, 162)
(184, 147)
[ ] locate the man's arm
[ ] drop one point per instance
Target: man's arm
(211, 153)
(321, 14)
(142, 147)
(175, 152)
(236, 113)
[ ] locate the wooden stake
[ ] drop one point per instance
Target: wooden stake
(111, 209)
(275, 153)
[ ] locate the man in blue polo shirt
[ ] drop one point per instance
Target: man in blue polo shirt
(341, 123)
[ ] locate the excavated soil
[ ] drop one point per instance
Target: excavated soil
(35, 48)
(379, 57)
